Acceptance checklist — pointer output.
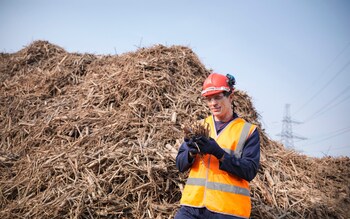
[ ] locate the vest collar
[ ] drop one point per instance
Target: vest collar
(215, 131)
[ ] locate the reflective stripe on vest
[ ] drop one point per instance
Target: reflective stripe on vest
(218, 186)
(239, 148)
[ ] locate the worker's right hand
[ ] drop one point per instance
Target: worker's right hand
(190, 142)
(191, 147)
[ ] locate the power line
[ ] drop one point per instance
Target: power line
(339, 130)
(331, 107)
(321, 75)
(323, 87)
(336, 148)
(325, 70)
(328, 105)
(332, 135)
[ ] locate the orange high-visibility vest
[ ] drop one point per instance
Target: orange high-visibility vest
(217, 190)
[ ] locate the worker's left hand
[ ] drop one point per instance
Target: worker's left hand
(209, 146)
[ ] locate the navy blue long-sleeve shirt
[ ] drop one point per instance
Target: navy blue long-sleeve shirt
(245, 167)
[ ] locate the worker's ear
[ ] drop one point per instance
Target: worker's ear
(231, 96)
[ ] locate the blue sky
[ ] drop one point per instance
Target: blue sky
(280, 52)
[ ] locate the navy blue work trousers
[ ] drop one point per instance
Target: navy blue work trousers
(186, 212)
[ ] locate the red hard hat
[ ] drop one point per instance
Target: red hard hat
(214, 84)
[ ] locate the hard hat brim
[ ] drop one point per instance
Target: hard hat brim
(213, 90)
(209, 93)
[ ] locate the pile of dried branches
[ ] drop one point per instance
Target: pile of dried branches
(89, 136)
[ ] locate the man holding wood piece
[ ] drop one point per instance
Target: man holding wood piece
(222, 163)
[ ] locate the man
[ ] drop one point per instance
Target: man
(221, 166)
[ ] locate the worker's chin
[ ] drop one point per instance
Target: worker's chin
(216, 113)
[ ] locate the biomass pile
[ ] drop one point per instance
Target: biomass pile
(93, 136)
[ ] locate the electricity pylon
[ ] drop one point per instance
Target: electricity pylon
(287, 136)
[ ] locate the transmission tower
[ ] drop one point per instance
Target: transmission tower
(287, 136)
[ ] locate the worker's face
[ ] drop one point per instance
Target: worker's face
(220, 106)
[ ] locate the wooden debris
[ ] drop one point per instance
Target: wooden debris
(195, 129)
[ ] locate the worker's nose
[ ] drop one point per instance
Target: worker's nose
(212, 102)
